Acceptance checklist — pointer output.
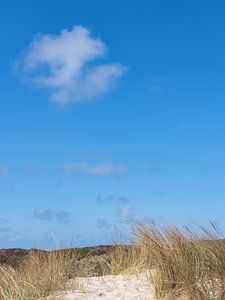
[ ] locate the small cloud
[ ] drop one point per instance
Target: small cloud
(126, 211)
(4, 171)
(61, 63)
(43, 214)
(50, 215)
(127, 215)
(106, 168)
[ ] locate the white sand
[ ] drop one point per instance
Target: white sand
(119, 287)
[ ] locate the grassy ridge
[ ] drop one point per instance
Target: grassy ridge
(36, 274)
(181, 263)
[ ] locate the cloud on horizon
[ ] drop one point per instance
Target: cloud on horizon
(106, 168)
(61, 63)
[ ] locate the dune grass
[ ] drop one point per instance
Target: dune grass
(39, 276)
(123, 260)
(181, 263)
(188, 263)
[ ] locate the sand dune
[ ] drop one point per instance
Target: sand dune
(112, 287)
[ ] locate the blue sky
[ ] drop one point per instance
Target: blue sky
(109, 112)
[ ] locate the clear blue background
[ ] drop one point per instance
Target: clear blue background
(165, 121)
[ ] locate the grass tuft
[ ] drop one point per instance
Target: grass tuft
(41, 275)
(187, 262)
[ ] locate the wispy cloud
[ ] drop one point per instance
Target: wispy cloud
(106, 168)
(4, 171)
(128, 215)
(43, 214)
(49, 215)
(127, 212)
(62, 63)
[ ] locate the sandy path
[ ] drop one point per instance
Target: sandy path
(119, 287)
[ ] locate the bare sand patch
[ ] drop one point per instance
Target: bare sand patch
(110, 287)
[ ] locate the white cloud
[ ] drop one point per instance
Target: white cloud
(4, 171)
(126, 212)
(128, 215)
(103, 169)
(62, 63)
(49, 215)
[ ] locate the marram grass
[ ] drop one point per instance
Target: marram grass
(181, 263)
(39, 276)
